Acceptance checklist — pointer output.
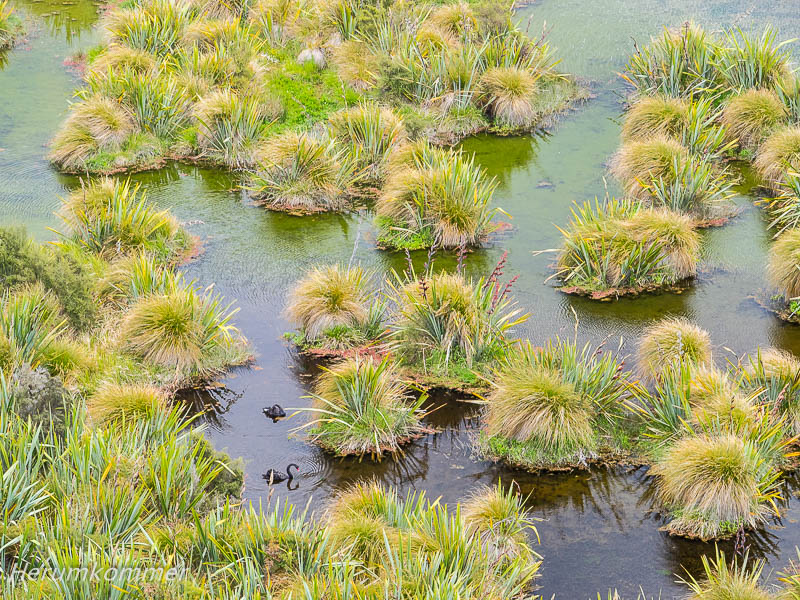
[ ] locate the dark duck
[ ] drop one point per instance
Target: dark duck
(273, 476)
(274, 412)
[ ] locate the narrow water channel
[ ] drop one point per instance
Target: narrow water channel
(598, 528)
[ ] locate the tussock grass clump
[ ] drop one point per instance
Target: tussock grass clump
(301, 173)
(185, 330)
(335, 306)
(715, 485)
(357, 64)
(638, 163)
(116, 401)
(508, 94)
(548, 405)
(447, 325)
(671, 342)
(230, 127)
(750, 116)
(363, 407)
(779, 153)
(370, 133)
(619, 247)
(499, 517)
(132, 277)
(111, 217)
(98, 124)
(716, 399)
(436, 198)
(783, 264)
(655, 116)
(121, 59)
(784, 209)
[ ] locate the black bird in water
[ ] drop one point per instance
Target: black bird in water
(273, 476)
(274, 412)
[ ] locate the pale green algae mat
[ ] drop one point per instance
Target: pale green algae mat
(599, 530)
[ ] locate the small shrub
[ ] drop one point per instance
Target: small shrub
(23, 262)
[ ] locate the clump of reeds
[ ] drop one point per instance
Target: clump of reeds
(783, 266)
(672, 342)
(678, 63)
(620, 247)
(435, 197)
(110, 217)
(655, 116)
(299, 172)
(448, 323)
(750, 116)
(696, 187)
(370, 133)
(779, 153)
(784, 208)
(230, 127)
(774, 375)
(715, 485)
(498, 516)
(186, 330)
(363, 407)
(336, 307)
(723, 580)
(548, 405)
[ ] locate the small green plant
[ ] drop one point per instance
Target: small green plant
(652, 159)
(723, 580)
(116, 401)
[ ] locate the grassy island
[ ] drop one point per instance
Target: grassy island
(323, 105)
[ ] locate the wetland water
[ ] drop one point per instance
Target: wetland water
(598, 529)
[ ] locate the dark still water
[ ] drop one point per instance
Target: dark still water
(599, 529)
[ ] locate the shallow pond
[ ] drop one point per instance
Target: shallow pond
(598, 529)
